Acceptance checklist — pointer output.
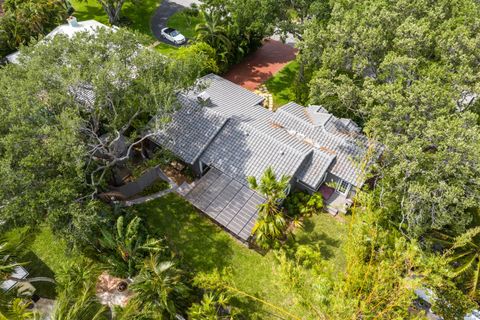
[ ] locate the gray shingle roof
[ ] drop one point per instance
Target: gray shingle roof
(313, 170)
(231, 100)
(241, 150)
(235, 134)
(190, 130)
(327, 133)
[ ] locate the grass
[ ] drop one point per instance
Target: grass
(184, 23)
(329, 233)
(166, 49)
(204, 247)
(282, 85)
(137, 14)
(46, 257)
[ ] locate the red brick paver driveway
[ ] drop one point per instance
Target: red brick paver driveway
(256, 68)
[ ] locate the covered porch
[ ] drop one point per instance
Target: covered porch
(335, 202)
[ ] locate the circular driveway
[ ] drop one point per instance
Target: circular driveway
(166, 9)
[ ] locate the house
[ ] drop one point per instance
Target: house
(225, 134)
(69, 29)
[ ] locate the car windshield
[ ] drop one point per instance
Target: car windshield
(174, 33)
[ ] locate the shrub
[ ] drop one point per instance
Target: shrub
(301, 204)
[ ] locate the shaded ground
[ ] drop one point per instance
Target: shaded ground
(259, 66)
(202, 246)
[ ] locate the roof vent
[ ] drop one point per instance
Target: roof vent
(72, 22)
(203, 96)
(282, 152)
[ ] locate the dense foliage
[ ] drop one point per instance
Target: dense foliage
(408, 70)
(235, 28)
(71, 113)
(26, 19)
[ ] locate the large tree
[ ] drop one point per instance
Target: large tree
(71, 112)
(26, 19)
(410, 72)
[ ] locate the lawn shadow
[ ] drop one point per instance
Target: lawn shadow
(200, 245)
(37, 268)
(325, 243)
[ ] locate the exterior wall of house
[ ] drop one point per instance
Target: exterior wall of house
(335, 182)
(299, 186)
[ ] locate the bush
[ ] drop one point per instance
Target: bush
(301, 204)
(27, 19)
(205, 53)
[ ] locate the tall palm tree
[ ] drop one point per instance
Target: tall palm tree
(158, 287)
(464, 256)
(213, 32)
(271, 225)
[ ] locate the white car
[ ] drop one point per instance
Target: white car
(173, 35)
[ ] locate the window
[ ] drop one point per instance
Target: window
(342, 186)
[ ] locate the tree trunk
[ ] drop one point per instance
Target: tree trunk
(35, 279)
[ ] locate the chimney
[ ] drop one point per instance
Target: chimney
(72, 22)
(203, 97)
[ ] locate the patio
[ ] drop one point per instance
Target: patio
(261, 65)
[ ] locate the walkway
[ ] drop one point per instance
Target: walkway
(259, 66)
(167, 9)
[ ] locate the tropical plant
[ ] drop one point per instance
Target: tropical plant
(300, 204)
(26, 19)
(159, 288)
(271, 226)
(214, 306)
(15, 308)
(214, 33)
(463, 253)
(124, 248)
(76, 299)
(12, 249)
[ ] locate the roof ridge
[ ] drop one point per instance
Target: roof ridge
(271, 138)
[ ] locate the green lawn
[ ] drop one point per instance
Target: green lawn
(203, 246)
(184, 23)
(282, 85)
(47, 256)
(166, 49)
(138, 14)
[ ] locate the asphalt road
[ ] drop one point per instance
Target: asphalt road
(165, 11)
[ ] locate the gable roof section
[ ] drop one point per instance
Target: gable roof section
(241, 150)
(339, 137)
(190, 130)
(313, 169)
(230, 99)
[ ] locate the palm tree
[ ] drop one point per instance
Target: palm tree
(214, 33)
(158, 287)
(124, 248)
(464, 256)
(271, 225)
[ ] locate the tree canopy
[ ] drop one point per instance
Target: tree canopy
(409, 71)
(72, 111)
